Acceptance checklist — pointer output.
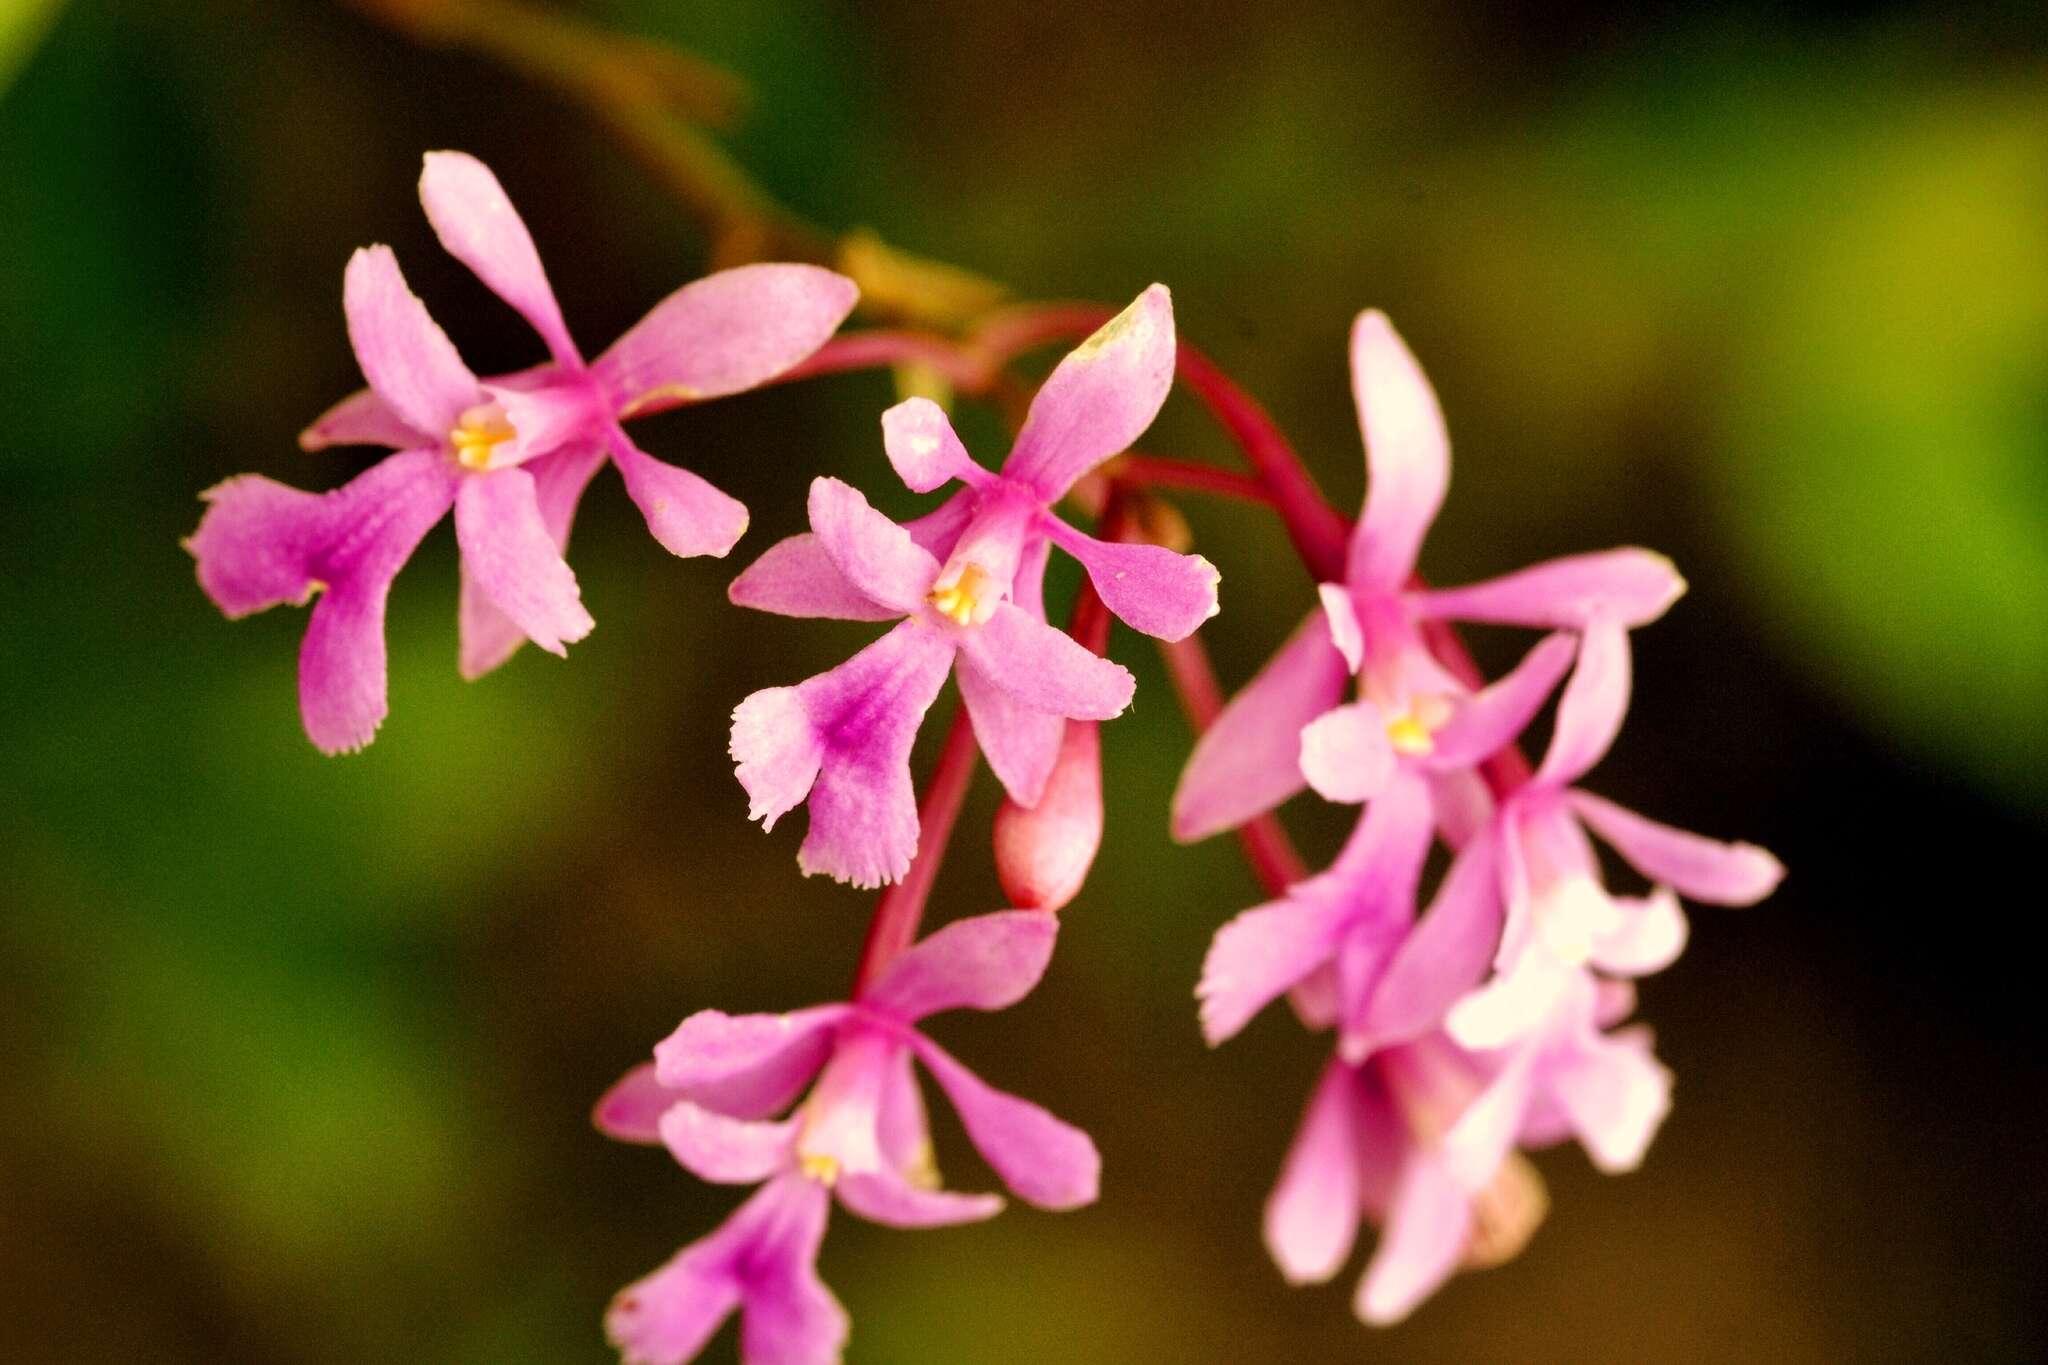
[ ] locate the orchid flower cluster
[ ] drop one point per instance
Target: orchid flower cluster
(1488, 1022)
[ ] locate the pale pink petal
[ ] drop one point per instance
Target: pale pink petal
(1407, 452)
(988, 962)
(1520, 1001)
(1264, 951)
(405, 355)
(1652, 934)
(1249, 761)
(1487, 722)
(488, 636)
(742, 1065)
(903, 1131)
(924, 449)
(545, 418)
(478, 226)
(725, 333)
(843, 739)
(631, 1110)
(1099, 399)
(795, 577)
(1629, 586)
(1044, 1161)
(667, 1317)
(1021, 744)
(514, 561)
(1347, 632)
(1697, 867)
(1345, 753)
(791, 1318)
(685, 513)
(1149, 587)
(1476, 1145)
(1445, 955)
(363, 419)
(1594, 703)
(881, 1197)
(1616, 1094)
(873, 553)
(1428, 1224)
(1044, 669)
(726, 1151)
(938, 531)
(1312, 1215)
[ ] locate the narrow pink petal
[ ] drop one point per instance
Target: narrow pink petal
(843, 739)
(1044, 1161)
(667, 1317)
(725, 333)
(631, 1110)
(686, 513)
(712, 1048)
(1697, 867)
(1345, 753)
(1616, 1094)
(726, 1151)
(1149, 587)
(1476, 1145)
(1652, 934)
(1629, 586)
(988, 962)
(924, 449)
(1099, 399)
(1590, 713)
(795, 577)
(1428, 1225)
(1446, 954)
(405, 355)
(507, 550)
(478, 226)
(1041, 667)
(1407, 451)
(488, 636)
(873, 553)
(1312, 1216)
(938, 531)
(1264, 951)
(1021, 744)
(1249, 761)
(545, 418)
(790, 1317)
(902, 1128)
(1347, 633)
(1484, 724)
(363, 419)
(882, 1198)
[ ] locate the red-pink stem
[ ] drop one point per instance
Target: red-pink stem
(963, 368)
(1158, 471)
(900, 908)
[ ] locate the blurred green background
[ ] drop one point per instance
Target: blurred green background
(298, 1052)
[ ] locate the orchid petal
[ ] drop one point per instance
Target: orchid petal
(1312, 1216)
(1099, 399)
(795, 577)
(1249, 760)
(403, 352)
(1150, 588)
(1695, 866)
(478, 226)
(1428, 1223)
(881, 1198)
(1408, 455)
(1041, 667)
(1445, 955)
(989, 962)
(1347, 633)
(1476, 1145)
(363, 419)
(1043, 1160)
(1616, 1094)
(1629, 586)
(488, 636)
(746, 1065)
(514, 561)
(1261, 952)
(924, 449)
(1487, 722)
(873, 553)
(1346, 755)
(1652, 934)
(725, 333)
(1021, 745)
(1590, 712)
(631, 1110)
(685, 512)
(726, 1151)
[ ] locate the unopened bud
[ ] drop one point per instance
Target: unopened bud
(1043, 853)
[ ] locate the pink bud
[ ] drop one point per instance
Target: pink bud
(1043, 853)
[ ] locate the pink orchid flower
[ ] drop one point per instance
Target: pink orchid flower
(861, 1134)
(511, 454)
(1370, 1146)
(966, 581)
(1287, 728)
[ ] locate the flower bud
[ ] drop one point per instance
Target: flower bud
(1043, 853)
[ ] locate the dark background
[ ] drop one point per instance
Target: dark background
(298, 1051)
